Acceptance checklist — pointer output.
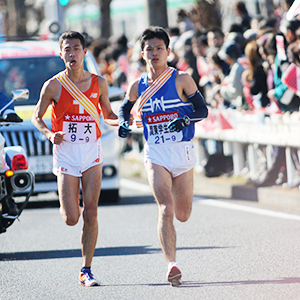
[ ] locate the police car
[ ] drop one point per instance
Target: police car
(28, 64)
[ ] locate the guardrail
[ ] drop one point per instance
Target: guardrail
(242, 133)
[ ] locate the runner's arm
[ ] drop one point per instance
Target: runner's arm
(186, 86)
(200, 110)
(108, 115)
(125, 108)
(195, 97)
(48, 93)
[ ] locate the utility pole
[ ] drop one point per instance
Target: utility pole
(157, 13)
(54, 13)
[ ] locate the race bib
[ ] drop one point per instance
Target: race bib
(79, 128)
(158, 131)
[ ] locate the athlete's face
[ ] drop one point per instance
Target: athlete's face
(155, 53)
(72, 53)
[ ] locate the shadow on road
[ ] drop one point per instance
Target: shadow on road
(136, 200)
(109, 251)
(285, 280)
(132, 200)
(195, 284)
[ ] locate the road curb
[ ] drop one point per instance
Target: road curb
(274, 197)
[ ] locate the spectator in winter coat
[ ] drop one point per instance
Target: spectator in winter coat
(231, 89)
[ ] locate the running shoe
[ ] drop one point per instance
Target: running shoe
(174, 276)
(86, 278)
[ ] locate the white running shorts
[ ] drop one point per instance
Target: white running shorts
(177, 158)
(74, 159)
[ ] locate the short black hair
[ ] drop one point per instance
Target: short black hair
(154, 32)
(200, 37)
(241, 6)
(270, 22)
(230, 50)
(293, 25)
(235, 27)
(174, 31)
(218, 30)
(69, 35)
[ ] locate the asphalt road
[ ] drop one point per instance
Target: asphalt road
(225, 251)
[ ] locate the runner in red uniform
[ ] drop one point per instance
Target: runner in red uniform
(76, 141)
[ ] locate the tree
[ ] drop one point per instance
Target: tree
(207, 14)
(157, 12)
(105, 21)
(15, 18)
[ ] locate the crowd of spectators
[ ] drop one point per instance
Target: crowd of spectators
(240, 68)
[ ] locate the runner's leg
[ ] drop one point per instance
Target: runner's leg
(91, 185)
(182, 190)
(160, 181)
(68, 188)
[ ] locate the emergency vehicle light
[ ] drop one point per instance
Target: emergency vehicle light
(19, 162)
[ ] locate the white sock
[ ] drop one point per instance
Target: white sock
(171, 264)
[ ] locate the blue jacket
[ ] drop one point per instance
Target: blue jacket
(3, 101)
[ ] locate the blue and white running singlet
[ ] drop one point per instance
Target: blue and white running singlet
(164, 106)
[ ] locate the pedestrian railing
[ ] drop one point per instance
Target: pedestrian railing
(242, 133)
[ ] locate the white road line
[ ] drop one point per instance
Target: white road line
(142, 187)
(240, 207)
(134, 185)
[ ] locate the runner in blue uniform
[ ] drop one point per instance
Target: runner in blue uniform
(169, 104)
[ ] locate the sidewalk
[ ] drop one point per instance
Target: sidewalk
(229, 188)
(275, 197)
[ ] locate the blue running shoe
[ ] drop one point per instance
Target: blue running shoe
(86, 278)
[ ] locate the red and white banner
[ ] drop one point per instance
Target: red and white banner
(280, 48)
(217, 119)
(291, 77)
(294, 10)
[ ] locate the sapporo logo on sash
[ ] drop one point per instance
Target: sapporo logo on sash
(79, 128)
(158, 131)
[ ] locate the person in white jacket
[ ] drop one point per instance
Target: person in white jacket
(231, 89)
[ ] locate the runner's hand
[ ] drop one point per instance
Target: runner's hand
(131, 119)
(124, 131)
(176, 124)
(57, 137)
